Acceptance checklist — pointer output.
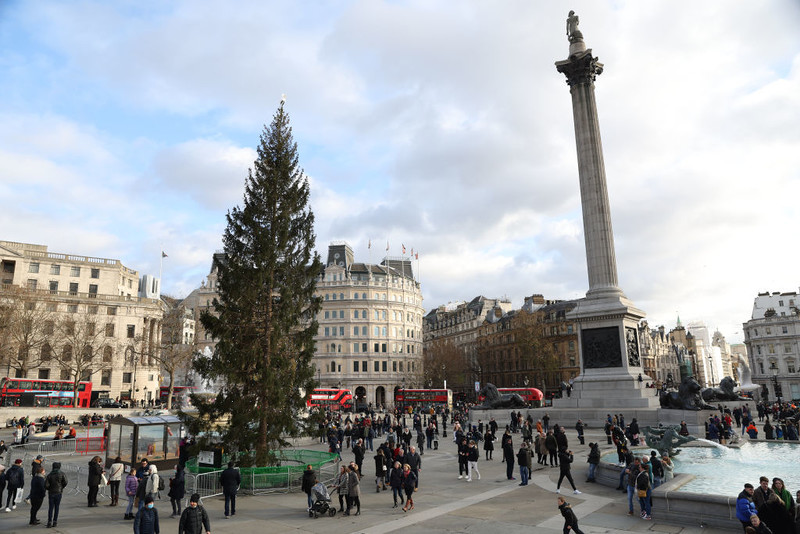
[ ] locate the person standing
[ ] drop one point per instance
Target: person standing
(552, 448)
(308, 481)
(341, 486)
(94, 479)
(146, 520)
(230, 479)
(643, 491)
(594, 461)
(177, 490)
(37, 493)
(507, 444)
(15, 479)
(472, 461)
(359, 451)
(55, 483)
(131, 487)
(579, 429)
(565, 463)
(463, 453)
(2, 482)
(570, 520)
(153, 482)
(488, 444)
(524, 460)
(115, 473)
(194, 519)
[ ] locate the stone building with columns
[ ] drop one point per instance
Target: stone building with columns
(772, 337)
(119, 310)
(370, 326)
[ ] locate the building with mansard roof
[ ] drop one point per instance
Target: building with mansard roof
(370, 326)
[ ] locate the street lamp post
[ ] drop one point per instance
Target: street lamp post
(711, 369)
(775, 386)
(403, 403)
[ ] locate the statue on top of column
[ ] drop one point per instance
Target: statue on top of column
(573, 33)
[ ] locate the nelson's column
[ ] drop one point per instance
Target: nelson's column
(607, 320)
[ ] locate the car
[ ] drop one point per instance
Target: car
(107, 403)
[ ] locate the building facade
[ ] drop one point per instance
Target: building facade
(536, 346)
(772, 338)
(370, 326)
(95, 308)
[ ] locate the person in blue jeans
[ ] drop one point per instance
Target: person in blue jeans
(594, 460)
(643, 486)
(523, 459)
(54, 483)
(633, 471)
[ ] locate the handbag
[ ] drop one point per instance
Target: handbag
(18, 497)
(641, 493)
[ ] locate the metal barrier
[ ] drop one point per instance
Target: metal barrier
(57, 447)
(205, 484)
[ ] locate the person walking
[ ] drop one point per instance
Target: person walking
(131, 487)
(177, 490)
(55, 483)
(194, 519)
(115, 473)
(415, 461)
(409, 483)
(353, 490)
(380, 470)
(565, 463)
(146, 520)
(308, 481)
(230, 479)
(93, 481)
(15, 479)
(570, 520)
(37, 493)
(396, 483)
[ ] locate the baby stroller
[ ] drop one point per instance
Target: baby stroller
(322, 501)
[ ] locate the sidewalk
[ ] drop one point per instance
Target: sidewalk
(443, 505)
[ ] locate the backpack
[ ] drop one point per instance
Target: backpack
(160, 483)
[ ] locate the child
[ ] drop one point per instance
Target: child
(570, 521)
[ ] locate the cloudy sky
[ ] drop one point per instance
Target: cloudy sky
(126, 127)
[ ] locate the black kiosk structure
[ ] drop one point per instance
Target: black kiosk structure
(156, 438)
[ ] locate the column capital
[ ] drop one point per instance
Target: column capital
(580, 68)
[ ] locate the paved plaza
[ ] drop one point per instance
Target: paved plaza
(443, 504)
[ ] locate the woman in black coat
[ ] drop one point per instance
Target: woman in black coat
(95, 478)
(177, 490)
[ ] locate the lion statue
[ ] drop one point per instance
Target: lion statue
(725, 392)
(493, 400)
(687, 397)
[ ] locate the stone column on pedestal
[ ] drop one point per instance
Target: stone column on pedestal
(607, 320)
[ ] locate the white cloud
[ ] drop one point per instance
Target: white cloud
(445, 128)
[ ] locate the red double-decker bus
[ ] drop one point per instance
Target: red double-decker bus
(43, 393)
(424, 399)
(531, 396)
(331, 399)
(180, 395)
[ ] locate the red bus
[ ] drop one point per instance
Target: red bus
(43, 393)
(531, 396)
(331, 399)
(424, 399)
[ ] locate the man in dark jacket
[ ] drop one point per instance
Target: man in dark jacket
(230, 481)
(194, 519)
(55, 483)
(146, 520)
(15, 478)
(309, 479)
(358, 452)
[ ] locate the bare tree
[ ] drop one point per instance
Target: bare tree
(85, 348)
(443, 360)
(535, 348)
(26, 327)
(176, 351)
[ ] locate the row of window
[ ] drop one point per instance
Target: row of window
(105, 376)
(790, 367)
(361, 366)
(378, 315)
(397, 348)
(72, 308)
(376, 296)
(55, 269)
(768, 329)
(53, 286)
(377, 331)
(787, 348)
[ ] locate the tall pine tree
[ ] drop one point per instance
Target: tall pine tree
(264, 320)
